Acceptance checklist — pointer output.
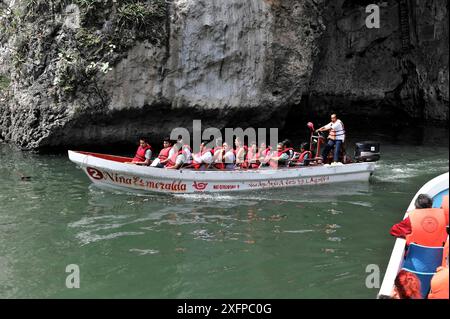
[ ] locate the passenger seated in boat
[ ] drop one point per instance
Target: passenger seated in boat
(219, 157)
(178, 158)
(302, 158)
(264, 154)
(281, 157)
(240, 153)
(188, 154)
(424, 225)
(289, 148)
(218, 147)
(143, 154)
(202, 158)
(229, 157)
(407, 286)
(164, 154)
(251, 160)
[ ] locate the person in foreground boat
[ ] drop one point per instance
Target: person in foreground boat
(424, 226)
(406, 286)
(143, 154)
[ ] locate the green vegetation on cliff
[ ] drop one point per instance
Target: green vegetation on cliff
(75, 40)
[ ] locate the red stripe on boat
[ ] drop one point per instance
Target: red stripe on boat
(120, 159)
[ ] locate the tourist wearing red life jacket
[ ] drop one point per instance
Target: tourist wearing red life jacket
(264, 154)
(336, 138)
(178, 158)
(219, 157)
(143, 154)
(281, 157)
(204, 157)
(301, 159)
(164, 154)
(251, 160)
(424, 226)
(240, 152)
(229, 158)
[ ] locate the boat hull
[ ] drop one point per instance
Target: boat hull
(106, 173)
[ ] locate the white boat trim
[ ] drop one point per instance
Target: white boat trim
(431, 188)
(110, 173)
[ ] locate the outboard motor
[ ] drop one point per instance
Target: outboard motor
(367, 151)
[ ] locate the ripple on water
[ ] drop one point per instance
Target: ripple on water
(143, 252)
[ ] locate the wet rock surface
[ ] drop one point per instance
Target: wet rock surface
(94, 76)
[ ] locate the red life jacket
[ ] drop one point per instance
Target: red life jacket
(251, 160)
(164, 154)
(284, 151)
(197, 165)
(173, 159)
(428, 227)
(140, 153)
(220, 165)
(302, 156)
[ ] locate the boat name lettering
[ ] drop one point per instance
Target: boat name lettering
(226, 186)
(174, 186)
(290, 182)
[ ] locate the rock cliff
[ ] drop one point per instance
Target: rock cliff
(102, 72)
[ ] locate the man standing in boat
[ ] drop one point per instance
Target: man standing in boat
(335, 138)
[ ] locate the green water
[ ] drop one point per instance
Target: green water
(312, 242)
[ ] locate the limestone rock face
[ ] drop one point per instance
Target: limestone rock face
(395, 70)
(107, 73)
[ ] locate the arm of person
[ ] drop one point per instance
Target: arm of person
(148, 161)
(178, 162)
(324, 128)
(402, 228)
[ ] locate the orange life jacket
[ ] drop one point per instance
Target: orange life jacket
(334, 133)
(428, 227)
(445, 207)
(439, 285)
(140, 153)
(164, 154)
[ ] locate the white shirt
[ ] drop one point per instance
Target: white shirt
(148, 154)
(188, 155)
(338, 126)
(229, 157)
(181, 159)
(206, 158)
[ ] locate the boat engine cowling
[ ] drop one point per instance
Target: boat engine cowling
(367, 151)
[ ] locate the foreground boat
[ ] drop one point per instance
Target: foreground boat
(436, 188)
(112, 171)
